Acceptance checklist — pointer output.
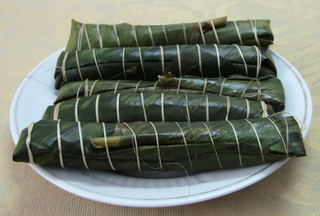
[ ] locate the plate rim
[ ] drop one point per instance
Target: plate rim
(161, 202)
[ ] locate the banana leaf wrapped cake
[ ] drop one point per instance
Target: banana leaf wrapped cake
(215, 31)
(160, 145)
(268, 89)
(128, 107)
(147, 63)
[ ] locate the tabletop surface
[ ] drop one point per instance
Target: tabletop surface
(32, 30)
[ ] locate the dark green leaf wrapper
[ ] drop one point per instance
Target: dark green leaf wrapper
(89, 36)
(128, 107)
(268, 89)
(183, 145)
(147, 63)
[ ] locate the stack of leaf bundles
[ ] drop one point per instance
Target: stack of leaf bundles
(193, 96)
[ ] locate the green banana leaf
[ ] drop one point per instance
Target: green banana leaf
(216, 31)
(268, 89)
(160, 145)
(146, 63)
(128, 107)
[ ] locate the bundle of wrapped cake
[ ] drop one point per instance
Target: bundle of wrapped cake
(191, 96)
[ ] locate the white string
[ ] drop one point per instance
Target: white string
(303, 127)
(78, 65)
(116, 87)
(244, 61)
(116, 33)
(200, 61)
(100, 38)
(137, 87)
(215, 32)
(123, 63)
(56, 111)
(184, 33)
(259, 90)
(81, 146)
(136, 145)
(245, 90)
(86, 87)
(205, 85)
(162, 107)
(80, 35)
(76, 116)
(135, 35)
(118, 107)
(201, 32)
(107, 147)
(162, 59)
(213, 145)
(259, 61)
(28, 142)
(179, 60)
(207, 109)
(238, 32)
(143, 108)
(187, 108)
(185, 143)
(222, 85)
(151, 35)
(258, 139)
(97, 108)
(97, 66)
(264, 109)
(92, 86)
(248, 108)
(228, 107)
(79, 89)
(165, 34)
(237, 141)
(218, 58)
(255, 32)
(141, 62)
(155, 86)
(64, 72)
(179, 85)
(158, 144)
(59, 144)
(278, 130)
(88, 40)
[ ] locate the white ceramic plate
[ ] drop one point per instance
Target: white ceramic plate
(37, 91)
